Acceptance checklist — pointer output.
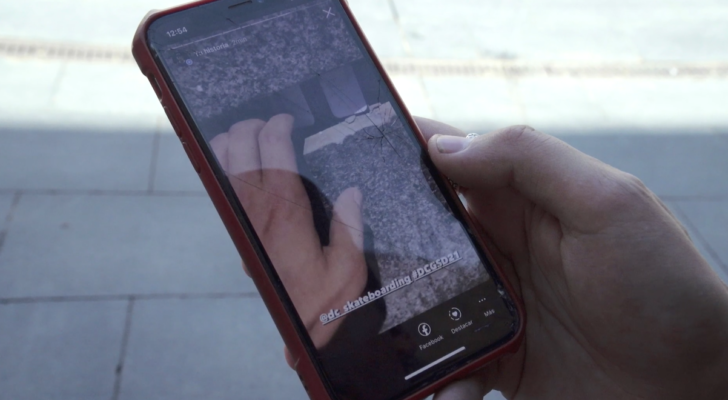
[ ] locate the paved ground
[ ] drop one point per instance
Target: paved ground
(117, 279)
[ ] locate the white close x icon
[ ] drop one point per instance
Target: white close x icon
(328, 13)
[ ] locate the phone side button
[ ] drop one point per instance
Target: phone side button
(155, 85)
(171, 121)
(305, 387)
(192, 158)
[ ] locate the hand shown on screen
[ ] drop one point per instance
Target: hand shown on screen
(619, 302)
(259, 160)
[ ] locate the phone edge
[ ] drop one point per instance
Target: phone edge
(304, 365)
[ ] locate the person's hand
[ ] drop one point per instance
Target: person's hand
(258, 158)
(619, 303)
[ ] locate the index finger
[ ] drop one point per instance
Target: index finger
(278, 160)
(430, 128)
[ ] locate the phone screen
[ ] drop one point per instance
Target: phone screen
(315, 153)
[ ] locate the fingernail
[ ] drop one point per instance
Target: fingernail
(451, 144)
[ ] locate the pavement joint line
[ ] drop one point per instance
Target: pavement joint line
(9, 218)
(57, 85)
(408, 51)
(426, 95)
(68, 51)
(119, 372)
(525, 68)
(408, 66)
(93, 192)
(188, 193)
(155, 157)
(699, 236)
(128, 297)
(718, 198)
(515, 93)
(393, 9)
(397, 21)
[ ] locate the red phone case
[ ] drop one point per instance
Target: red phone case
(305, 368)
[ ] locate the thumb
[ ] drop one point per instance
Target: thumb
(347, 228)
(567, 183)
(472, 388)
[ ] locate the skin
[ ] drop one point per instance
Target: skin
(619, 303)
(258, 158)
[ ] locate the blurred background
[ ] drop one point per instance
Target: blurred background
(117, 279)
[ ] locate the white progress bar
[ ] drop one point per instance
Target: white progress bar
(432, 364)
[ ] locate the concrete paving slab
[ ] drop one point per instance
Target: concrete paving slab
(609, 4)
(434, 30)
(567, 30)
(372, 10)
(436, 40)
(6, 202)
(174, 171)
(164, 127)
(115, 245)
(99, 22)
(485, 103)
(700, 35)
(708, 221)
(109, 89)
(376, 20)
(384, 37)
(577, 105)
(27, 84)
(432, 11)
(60, 351)
(412, 91)
(212, 349)
(114, 23)
(37, 159)
(65, 121)
(460, 29)
(544, 32)
(53, 94)
(661, 102)
(527, 29)
(559, 102)
(670, 165)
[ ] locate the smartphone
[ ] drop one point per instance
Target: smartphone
(375, 275)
